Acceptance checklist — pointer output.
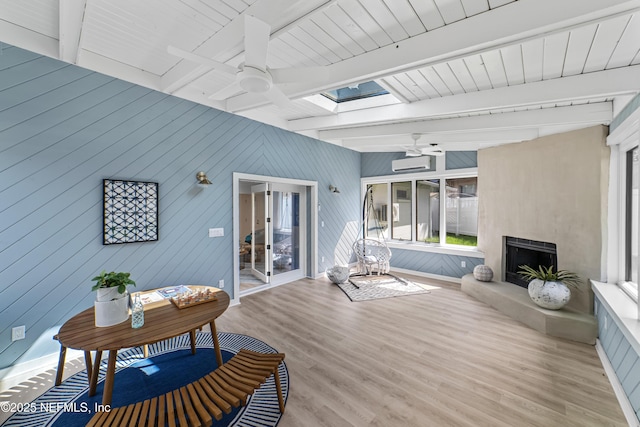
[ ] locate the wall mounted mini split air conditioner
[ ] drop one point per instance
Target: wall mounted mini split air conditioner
(411, 163)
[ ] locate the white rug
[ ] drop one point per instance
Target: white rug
(363, 288)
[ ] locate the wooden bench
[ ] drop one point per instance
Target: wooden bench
(194, 404)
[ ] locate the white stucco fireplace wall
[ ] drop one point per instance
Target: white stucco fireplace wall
(551, 189)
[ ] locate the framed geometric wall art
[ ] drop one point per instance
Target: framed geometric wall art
(130, 211)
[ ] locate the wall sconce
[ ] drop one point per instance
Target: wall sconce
(203, 181)
(333, 189)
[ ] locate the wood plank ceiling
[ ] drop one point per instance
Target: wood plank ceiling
(466, 73)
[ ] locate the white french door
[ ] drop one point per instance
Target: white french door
(288, 228)
(261, 232)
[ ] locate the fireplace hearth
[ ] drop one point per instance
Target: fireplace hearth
(527, 252)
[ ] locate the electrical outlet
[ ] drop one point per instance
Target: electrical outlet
(463, 264)
(221, 284)
(18, 333)
(216, 232)
(322, 259)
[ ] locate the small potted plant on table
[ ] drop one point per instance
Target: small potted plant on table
(112, 300)
(547, 288)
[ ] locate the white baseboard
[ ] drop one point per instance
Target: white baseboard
(427, 275)
(411, 272)
(20, 372)
(627, 409)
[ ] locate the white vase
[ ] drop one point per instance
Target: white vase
(550, 295)
(108, 294)
(111, 308)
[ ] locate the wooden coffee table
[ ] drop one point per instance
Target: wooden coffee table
(162, 320)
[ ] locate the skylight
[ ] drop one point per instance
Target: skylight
(352, 93)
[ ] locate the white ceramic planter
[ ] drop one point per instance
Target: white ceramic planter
(108, 294)
(111, 308)
(550, 295)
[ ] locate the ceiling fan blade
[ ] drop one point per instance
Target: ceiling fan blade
(189, 56)
(433, 151)
(300, 75)
(276, 96)
(226, 92)
(256, 42)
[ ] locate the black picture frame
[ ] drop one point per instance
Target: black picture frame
(130, 211)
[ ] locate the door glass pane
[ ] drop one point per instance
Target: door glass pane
(462, 211)
(258, 238)
(428, 211)
(376, 224)
(401, 201)
(286, 231)
(632, 217)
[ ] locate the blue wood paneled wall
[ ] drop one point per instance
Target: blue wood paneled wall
(434, 263)
(632, 106)
(623, 357)
(63, 129)
(461, 159)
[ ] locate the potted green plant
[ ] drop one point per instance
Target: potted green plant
(112, 300)
(548, 288)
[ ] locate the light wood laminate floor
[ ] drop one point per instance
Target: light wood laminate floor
(438, 359)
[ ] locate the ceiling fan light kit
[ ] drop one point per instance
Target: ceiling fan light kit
(254, 80)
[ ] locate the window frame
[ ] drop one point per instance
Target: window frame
(624, 139)
(442, 174)
(623, 244)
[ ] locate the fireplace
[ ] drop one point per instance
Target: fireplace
(527, 252)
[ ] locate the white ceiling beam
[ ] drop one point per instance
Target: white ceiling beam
(389, 88)
(24, 38)
(400, 142)
(71, 16)
(217, 46)
(586, 114)
(600, 84)
(513, 23)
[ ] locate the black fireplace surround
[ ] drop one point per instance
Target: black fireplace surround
(527, 252)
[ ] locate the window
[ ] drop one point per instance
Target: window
(630, 201)
(352, 93)
(401, 210)
(462, 211)
(428, 211)
(411, 210)
(376, 223)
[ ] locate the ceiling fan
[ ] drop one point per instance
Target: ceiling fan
(415, 150)
(253, 75)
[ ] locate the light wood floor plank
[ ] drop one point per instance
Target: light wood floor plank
(433, 359)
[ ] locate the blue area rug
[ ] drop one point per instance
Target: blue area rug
(170, 365)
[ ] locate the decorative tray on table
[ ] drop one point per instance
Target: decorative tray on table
(191, 298)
